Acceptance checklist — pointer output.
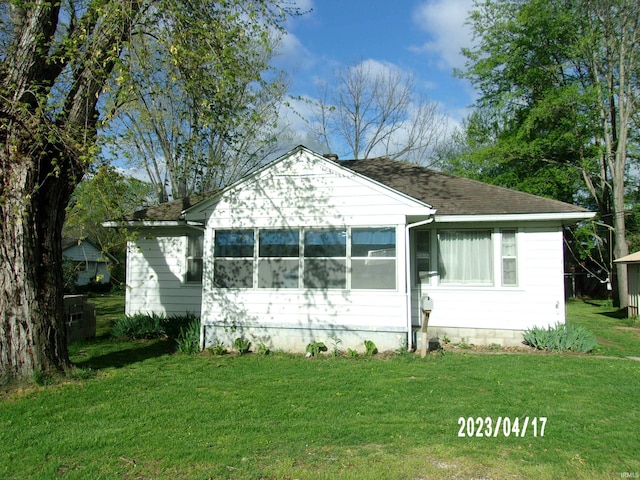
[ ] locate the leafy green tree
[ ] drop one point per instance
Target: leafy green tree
(105, 195)
(563, 78)
(60, 62)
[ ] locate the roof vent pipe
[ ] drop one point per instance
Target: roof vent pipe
(331, 156)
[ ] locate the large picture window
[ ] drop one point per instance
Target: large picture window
(322, 258)
(233, 253)
(373, 258)
(465, 257)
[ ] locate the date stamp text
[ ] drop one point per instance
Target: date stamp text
(488, 427)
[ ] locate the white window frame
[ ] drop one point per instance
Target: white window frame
(513, 257)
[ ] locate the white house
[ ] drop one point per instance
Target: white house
(314, 249)
(88, 260)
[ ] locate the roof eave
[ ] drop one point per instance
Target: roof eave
(144, 223)
(566, 218)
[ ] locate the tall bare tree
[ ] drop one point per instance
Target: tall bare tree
(190, 128)
(372, 110)
(59, 60)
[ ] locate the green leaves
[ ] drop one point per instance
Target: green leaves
(561, 338)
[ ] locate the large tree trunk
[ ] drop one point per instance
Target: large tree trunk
(46, 135)
(35, 189)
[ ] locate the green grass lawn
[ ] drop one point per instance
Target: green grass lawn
(148, 413)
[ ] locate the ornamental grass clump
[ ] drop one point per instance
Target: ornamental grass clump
(140, 326)
(149, 326)
(188, 340)
(561, 338)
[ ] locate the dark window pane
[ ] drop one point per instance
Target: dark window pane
(325, 243)
(279, 243)
(195, 245)
(233, 273)
(325, 273)
(194, 270)
(278, 273)
(423, 256)
(234, 243)
(373, 242)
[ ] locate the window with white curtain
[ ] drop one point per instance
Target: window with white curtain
(465, 257)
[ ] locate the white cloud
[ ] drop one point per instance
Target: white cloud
(444, 22)
(292, 54)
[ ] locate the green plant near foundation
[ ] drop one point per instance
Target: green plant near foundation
(188, 340)
(370, 348)
(314, 348)
(217, 349)
(242, 345)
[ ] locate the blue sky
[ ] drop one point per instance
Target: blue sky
(422, 37)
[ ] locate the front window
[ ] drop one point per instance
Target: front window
(233, 252)
(322, 258)
(325, 258)
(373, 258)
(278, 262)
(465, 257)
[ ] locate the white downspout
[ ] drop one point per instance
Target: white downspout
(408, 283)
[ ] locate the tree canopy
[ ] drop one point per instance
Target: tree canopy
(558, 82)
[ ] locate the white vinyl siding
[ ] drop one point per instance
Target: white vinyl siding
(155, 275)
(537, 299)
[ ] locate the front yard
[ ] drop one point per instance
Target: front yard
(142, 412)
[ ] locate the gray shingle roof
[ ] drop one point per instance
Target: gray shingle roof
(448, 194)
(168, 211)
(451, 195)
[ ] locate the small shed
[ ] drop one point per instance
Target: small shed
(90, 263)
(633, 273)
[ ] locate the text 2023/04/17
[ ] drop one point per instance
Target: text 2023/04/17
(487, 427)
